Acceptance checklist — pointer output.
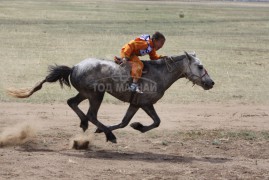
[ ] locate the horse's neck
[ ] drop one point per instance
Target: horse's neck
(173, 72)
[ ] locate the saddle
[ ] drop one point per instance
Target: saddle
(118, 61)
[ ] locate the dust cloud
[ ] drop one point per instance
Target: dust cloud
(81, 141)
(18, 134)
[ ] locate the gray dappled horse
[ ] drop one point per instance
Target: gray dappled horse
(93, 77)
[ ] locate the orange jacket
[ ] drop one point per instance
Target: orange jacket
(134, 47)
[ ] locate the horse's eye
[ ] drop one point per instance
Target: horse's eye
(200, 67)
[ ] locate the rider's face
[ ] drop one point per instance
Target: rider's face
(158, 44)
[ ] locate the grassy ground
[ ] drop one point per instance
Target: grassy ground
(231, 39)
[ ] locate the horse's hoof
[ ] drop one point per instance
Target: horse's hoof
(137, 126)
(84, 126)
(98, 131)
(111, 137)
(113, 141)
(84, 129)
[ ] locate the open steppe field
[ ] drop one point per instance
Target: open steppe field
(222, 133)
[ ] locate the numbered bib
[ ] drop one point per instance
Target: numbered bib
(145, 37)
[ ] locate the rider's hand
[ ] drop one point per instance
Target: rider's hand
(164, 57)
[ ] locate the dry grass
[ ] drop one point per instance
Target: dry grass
(231, 39)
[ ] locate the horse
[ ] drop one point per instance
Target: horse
(92, 78)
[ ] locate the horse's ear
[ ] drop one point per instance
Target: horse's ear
(188, 56)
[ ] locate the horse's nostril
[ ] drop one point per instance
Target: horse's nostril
(213, 83)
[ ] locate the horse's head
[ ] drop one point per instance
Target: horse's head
(196, 72)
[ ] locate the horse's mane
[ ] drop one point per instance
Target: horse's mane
(162, 61)
(158, 62)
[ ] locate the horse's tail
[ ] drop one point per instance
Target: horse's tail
(60, 73)
(56, 73)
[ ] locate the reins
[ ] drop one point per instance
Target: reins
(169, 66)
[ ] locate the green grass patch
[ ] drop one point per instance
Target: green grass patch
(210, 134)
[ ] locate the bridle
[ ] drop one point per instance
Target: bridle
(187, 75)
(192, 74)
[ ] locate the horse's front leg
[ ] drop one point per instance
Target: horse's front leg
(149, 109)
(125, 121)
(109, 135)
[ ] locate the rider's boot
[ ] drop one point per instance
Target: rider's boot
(134, 88)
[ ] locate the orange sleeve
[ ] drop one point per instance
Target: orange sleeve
(140, 45)
(134, 47)
(153, 55)
(128, 49)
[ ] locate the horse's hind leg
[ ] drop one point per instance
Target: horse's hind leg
(95, 100)
(152, 113)
(73, 103)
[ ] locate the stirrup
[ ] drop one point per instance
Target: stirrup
(138, 90)
(134, 88)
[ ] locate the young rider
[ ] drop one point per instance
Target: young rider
(139, 47)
